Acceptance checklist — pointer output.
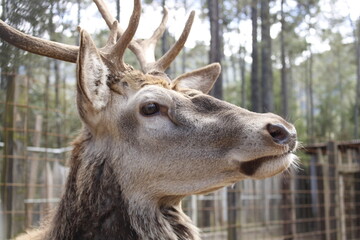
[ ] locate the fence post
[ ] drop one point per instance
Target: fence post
(7, 177)
(326, 194)
(232, 214)
(357, 197)
(194, 209)
(331, 194)
(287, 211)
(320, 173)
(342, 213)
(33, 165)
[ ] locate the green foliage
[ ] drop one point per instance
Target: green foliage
(232, 93)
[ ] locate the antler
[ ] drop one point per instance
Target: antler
(144, 49)
(66, 52)
(164, 62)
(38, 46)
(119, 49)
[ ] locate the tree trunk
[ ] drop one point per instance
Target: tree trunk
(310, 101)
(33, 174)
(311, 97)
(266, 63)
(57, 102)
(285, 183)
(46, 140)
(287, 206)
(46, 115)
(183, 56)
(15, 156)
(233, 67)
(164, 36)
(7, 81)
(242, 75)
(339, 76)
(9, 149)
(118, 10)
(284, 81)
(255, 86)
(215, 43)
(356, 35)
(164, 41)
(4, 10)
(56, 69)
(232, 214)
(225, 72)
(357, 101)
(78, 20)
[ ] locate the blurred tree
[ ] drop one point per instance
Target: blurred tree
(234, 14)
(266, 62)
(183, 55)
(356, 33)
(216, 49)
(284, 80)
(81, 4)
(118, 10)
(288, 47)
(255, 84)
(310, 8)
(357, 104)
(164, 38)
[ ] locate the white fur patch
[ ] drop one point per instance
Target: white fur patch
(95, 76)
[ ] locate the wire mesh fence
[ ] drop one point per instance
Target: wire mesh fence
(319, 201)
(34, 139)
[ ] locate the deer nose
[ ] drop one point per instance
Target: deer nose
(280, 134)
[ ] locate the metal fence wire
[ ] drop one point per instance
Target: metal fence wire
(318, 201)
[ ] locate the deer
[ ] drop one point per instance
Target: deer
(149, 140)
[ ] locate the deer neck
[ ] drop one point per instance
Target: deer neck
(94, 206)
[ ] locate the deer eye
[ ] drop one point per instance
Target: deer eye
(150, 109)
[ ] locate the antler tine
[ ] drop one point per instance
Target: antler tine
(164, 62)
(109, 19)
(144, 49)
(113, 35)
(162, 27)
(38, 46)
(127, 36)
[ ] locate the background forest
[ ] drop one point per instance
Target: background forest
(298, 58)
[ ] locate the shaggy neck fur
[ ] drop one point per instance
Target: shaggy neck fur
(93, 207)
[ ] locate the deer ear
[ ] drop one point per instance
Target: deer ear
(201, 79)
(92, 74)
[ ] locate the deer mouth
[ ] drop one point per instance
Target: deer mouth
(250, 168)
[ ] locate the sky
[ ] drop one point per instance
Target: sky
(151, 17)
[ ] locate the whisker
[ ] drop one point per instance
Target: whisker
(296, 164)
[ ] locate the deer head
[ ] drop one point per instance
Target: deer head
(160, 139)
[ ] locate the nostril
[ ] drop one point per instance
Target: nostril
(279, 133)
